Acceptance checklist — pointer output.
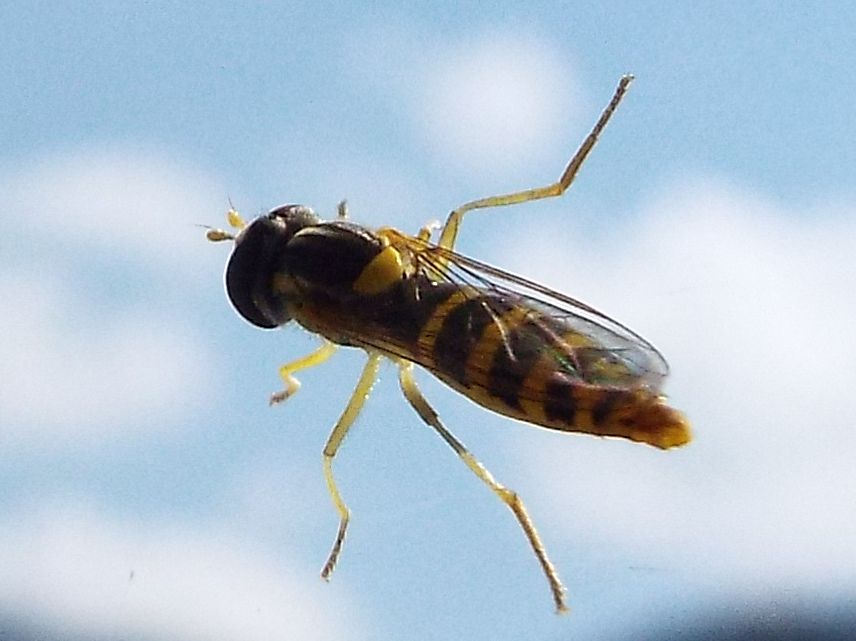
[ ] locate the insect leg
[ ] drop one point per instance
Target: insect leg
(509, 497)
(453, 222)
(310, 360)
(355, 404)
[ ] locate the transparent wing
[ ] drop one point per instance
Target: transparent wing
(582, 342)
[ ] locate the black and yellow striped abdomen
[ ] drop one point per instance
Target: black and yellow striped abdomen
(519, 362)
(514, 359)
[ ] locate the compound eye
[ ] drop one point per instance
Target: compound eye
(249, 274)
(295, 217)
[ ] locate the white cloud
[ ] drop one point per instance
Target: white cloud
(118, 201)
(754, 307)
(71, 375)
(95, 339)
(496, 100)
(75, 571)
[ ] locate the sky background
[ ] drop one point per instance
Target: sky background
(148, 492)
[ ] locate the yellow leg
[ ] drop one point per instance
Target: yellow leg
(507, 496)
(355, 404)
(286, 371)
(453, 222)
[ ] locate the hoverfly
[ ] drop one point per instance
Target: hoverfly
(507, 343)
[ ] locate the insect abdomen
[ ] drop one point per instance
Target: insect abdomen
(517, 361)
(637, 414)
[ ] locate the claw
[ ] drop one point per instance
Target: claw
(291, 387)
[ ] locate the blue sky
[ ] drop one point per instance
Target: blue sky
(148, 492)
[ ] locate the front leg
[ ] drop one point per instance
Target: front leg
(286, 372)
